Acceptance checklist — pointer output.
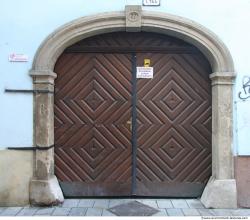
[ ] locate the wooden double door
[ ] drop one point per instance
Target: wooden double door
(116, 135)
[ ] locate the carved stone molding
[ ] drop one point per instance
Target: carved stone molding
(214, 49)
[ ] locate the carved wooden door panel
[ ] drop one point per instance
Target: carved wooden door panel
(92, 137)
(116, 135)
(173, 126)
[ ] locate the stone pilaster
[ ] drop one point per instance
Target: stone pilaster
(220, 191)
(44, 187)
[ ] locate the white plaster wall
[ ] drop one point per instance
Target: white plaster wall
(25, 24)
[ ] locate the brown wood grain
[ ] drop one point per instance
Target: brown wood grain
(92, 107)
(93, 91)
(174, 126)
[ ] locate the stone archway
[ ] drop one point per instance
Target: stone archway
(44, 187)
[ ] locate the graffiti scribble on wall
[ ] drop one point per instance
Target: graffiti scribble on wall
(245, 92)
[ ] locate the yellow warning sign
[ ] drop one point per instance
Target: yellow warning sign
(146, 62)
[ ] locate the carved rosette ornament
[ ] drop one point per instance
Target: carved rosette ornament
(133, 16)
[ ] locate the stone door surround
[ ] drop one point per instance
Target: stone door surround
(44, 187)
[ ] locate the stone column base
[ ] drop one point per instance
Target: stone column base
(220, 194)
(45, 192)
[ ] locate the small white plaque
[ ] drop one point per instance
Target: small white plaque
(18, 57)
(151, 2)
(144, 72)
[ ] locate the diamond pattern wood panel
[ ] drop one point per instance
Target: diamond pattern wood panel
(93, 155)
(174, 125)
(92, 107)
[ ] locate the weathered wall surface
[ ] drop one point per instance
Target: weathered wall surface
(16, 169)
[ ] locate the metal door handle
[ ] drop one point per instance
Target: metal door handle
(129, 123)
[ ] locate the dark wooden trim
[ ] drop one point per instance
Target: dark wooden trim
(94, 189)
(170, 189)
(120, 49)
(134, 127)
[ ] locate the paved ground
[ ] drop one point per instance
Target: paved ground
(98, 207)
